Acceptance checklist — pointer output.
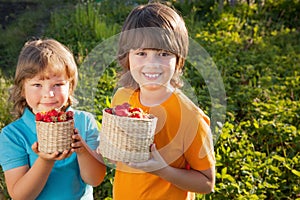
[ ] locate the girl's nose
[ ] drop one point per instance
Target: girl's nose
(51, 93)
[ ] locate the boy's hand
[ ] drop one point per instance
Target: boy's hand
(50, 156)
(156, 162)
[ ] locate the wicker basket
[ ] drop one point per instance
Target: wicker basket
(126, 139)
(54, 136)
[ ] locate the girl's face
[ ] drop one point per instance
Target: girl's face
(152, 69)
(43, 94)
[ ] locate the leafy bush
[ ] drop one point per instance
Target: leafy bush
(5, 106)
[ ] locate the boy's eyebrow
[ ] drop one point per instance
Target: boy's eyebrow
(154, 49)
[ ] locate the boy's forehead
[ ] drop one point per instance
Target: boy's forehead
(150, 49)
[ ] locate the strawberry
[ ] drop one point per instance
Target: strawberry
(39, 116)
(136, 115)
(53, 113)
(126, 105)
(47, 119)
(121, 107)
(54, 116)
(125, 110)
(70, 115)
(122, 112)
(62, 117)
(132, 110)
(109, 110)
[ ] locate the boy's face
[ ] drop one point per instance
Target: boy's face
(43, 94)
(151, 68)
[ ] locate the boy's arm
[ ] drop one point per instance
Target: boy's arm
(189, 180)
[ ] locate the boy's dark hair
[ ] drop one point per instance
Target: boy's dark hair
(153, 26)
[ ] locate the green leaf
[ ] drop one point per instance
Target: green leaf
(279, 158)
(296, 172)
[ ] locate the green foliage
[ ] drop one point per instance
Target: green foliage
(256, 49)
(67, 25)
(5, 105)
(5, 118)
(105, 89)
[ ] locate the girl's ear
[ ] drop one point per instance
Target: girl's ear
(22, 93)
(71, 88)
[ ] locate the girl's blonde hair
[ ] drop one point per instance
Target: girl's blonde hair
(153, 26)
(41, 57)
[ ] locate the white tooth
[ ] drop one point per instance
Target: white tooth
(152, 75)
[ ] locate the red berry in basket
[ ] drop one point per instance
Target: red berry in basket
(109, 110)
(52, 113)
(48, 119)
(62, 117)
(70, 115)
(39, 117)
(54, 116)
(132, 110)
(122, 112)
(122, 107)
(126, 105)
(137, 115)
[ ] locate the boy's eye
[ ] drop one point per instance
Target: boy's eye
(164, 53)
(140, 53)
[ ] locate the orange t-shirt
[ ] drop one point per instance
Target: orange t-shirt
(182, 138)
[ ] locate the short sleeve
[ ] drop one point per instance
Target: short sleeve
(93, 134)
(200, 153)
(13, 151)
(87, 126)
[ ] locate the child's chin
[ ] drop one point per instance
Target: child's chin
(152, 86)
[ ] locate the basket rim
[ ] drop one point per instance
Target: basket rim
(153, 117)
(55, 122)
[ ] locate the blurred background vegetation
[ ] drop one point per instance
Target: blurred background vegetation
(255, 45)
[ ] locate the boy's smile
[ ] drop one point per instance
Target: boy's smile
(151, 76)
(152, 68)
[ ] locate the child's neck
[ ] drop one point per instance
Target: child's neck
(155, 97)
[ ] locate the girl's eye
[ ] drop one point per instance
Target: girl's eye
(59, 84)
(37, 85)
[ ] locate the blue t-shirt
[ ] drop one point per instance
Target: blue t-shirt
(64, 182)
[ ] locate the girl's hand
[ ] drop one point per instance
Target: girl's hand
(77, 144)
(50, 156)
(155, 163)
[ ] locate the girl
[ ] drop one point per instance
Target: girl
(152, 50)
(46, 77)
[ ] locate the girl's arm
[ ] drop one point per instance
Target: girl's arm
(27, 183)
(92, 169)
(188, 180)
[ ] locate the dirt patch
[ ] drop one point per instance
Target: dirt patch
(10, 10)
